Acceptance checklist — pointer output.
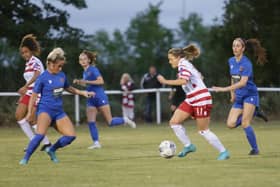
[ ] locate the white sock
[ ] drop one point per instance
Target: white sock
(179, 130)
(25, 126)
(96, 142)
(45, 141)
(213, 140)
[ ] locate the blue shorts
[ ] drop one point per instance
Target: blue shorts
(239, 101)
(97, 101)
(54, 114)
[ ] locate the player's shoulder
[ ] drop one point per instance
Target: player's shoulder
(231, 60)
(246, 61)
(35, 59)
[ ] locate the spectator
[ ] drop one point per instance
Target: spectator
(150, 80)
(127, 84)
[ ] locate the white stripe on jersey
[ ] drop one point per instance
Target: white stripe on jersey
(195, 89)
(34, 64)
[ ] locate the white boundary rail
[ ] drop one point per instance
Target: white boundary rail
(138, 91)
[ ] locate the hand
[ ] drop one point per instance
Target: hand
(80, 82)
(22, 90)
(219, 89)
(88, 94)
(232, 99)
(161, 79)
(173, 108)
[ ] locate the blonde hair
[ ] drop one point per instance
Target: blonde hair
(126, 75)
(30, 41)
(189, 52)
(56, 54)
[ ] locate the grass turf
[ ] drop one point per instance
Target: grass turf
(130, 158)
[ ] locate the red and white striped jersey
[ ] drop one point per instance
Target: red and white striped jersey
(197, 93)
(127, 97)
(34, 64)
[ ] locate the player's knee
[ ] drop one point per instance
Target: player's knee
(173, 122)
(231, 124)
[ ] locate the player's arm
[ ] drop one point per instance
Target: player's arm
(176, 82)
(239, 84)
(98, 81)
(76, 91)
(23, 89)
(232, 94)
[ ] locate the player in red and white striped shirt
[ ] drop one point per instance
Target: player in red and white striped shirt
(29, 47)
(198, 102)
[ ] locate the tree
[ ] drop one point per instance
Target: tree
(149, 41)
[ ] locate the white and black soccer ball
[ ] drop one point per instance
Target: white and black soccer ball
(167, 149)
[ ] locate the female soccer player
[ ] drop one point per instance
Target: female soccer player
(29, 49)
(127, 85)
(244, 94)
(198, 102)
(93, 81)
(51, 85)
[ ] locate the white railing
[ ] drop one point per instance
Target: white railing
(138, 91)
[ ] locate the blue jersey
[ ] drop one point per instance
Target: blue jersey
(239, 69)
(100, 98)
(91, 74)
(51, 87)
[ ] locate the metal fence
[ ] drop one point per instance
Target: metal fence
(138, 91)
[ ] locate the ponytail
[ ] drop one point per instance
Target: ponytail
(189, 52)
(254, 47)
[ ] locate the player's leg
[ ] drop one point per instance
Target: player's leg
(66, 128)
(44, 121)
(179, 116)
(45, 141)
(20, 113)
(234, 117)
(248, 113)
(210, 137)
(114, 121)
(91, 118)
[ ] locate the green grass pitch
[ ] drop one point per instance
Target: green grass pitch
(130, 158)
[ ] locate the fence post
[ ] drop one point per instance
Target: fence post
(77, 110)
(158, 107)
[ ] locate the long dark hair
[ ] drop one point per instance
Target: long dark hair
(253, 47)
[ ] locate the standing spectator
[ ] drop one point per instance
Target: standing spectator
(127, 84)
(150, 80)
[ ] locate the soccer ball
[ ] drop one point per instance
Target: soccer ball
(167, 149)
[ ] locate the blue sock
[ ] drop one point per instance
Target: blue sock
(117, 121)
(93, 131)
(33, 144)
(238, 121)
(61, 142)
(251, 137)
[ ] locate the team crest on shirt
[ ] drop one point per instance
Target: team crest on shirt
(61, 80)
(50, 81)
(231, 66)
(241, 68)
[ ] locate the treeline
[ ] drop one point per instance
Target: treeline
(143, 43)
